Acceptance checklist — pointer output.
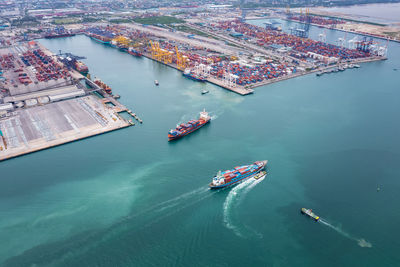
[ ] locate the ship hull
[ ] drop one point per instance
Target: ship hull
(188, 132)
(242, 178)
(193, 78)
(99, 41)
(59, 35)
(135, 54)
(245, 177)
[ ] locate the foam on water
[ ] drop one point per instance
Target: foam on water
(234, 198)
(360, 241)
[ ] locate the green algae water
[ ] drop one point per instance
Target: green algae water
(131, 198)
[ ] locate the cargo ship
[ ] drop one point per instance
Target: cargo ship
(104, 86)
(187, 128)
(309, 213)
(193, 76)
(100, 39)
(56, 35)
(237, 174)
(122, 48)
(81, 67)
(134, 52)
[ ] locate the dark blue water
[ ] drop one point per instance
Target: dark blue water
(130, 198)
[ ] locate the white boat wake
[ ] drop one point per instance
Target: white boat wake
(360, 241)
(177, 200)
(234, 198)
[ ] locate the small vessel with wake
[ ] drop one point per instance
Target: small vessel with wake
(189, 127)
(259, 175)
(238, 174)
(310, 213)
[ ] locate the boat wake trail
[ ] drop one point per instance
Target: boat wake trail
(176, 200)
(360, 241)
(234, 198)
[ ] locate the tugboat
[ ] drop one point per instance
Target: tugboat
(156, 82)
(237, 174)
(309, 213)
(259, 175)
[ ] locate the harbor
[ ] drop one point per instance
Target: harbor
(100, 199)
(50, 105)
(229, 69)
(247, 137)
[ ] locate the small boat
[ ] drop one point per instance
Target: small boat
(156, 82)
(356, 66)
(319, 73)
(204, 92)
(310, 213)
(259, 175)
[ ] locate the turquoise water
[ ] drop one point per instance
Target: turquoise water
(130, 198)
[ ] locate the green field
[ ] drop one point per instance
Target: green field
(158, 20)
(67, 21)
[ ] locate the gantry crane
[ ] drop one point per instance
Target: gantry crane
(160, 54)
(181, 60)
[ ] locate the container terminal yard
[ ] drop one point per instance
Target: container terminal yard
(44, 104)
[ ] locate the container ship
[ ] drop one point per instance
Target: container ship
(196, 77)
(134, 52)
(187, 128)
(100, 39)
(81, 67)
(104, 86)
(72, 62)
(58, 35)
(237, 175)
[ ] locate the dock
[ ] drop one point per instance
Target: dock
(109, 99)
(43, 115)
(241, 90)
(42, 127)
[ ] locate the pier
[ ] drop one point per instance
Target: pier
(47, 114)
